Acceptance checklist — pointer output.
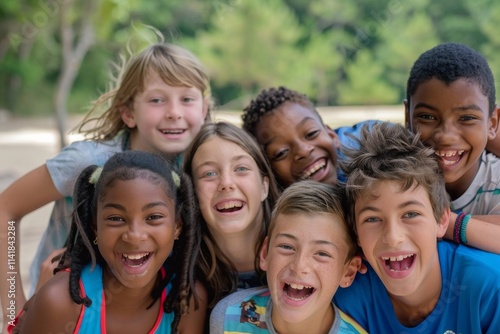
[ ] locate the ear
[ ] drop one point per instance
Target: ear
(265, 188)
(178, 228)
(333, 135)
(443, 223)
(407, 115)
(350, 271)
(492, 131)
(263, 254)
(128, 117)
(206, 106)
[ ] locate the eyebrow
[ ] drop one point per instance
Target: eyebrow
(301, 123)
(316, 241)
(233, 159)
(401, 206)
(459, 108)
(144, 208)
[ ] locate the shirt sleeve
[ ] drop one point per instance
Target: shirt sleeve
(65, 167)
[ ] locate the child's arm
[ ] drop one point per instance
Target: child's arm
(52, 310)
(48, 266)
(482, 232)
(194, 322)
(25, 195)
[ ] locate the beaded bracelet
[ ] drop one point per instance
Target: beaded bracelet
(463, 227)
(458, 227)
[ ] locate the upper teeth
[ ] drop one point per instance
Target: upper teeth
(397, 258)
(230, 205)
(313, 169)
(449, 153)
(135, 256)
(298, 286)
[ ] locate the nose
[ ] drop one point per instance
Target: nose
(302, 150)
(173, 110)
(300, 263)
(225, 182)
(445, 133)
(393, 234)
(135, 232)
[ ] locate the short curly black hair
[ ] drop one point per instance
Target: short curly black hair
(449, 62)
(269, 100)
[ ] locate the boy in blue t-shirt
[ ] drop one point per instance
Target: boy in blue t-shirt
(309, 251)
(399, 210)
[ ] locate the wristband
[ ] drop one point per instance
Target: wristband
(458, 227)
(463, 227)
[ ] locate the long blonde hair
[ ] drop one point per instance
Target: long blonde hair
(175, 65)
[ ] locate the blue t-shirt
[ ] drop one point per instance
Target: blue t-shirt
(469, 300)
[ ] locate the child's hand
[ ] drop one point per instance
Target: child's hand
(48, 266)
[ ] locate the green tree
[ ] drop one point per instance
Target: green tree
(253, 44)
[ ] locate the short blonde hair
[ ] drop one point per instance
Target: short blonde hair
(314, 198)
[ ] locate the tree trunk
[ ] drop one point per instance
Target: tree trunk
(73, 52)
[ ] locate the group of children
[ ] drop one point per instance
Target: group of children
(139, 258)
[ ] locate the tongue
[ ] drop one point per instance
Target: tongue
(230, 210)
(454, 158)
(298, 294)
(134, 262)
(401, 265)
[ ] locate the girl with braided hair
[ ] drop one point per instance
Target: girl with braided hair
(130, 255)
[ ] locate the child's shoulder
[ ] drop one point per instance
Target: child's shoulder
(492, 165)
(469, 262)
(236, 298)
(51, 308)
(242, 309)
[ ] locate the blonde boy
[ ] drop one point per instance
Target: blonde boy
(308, 253)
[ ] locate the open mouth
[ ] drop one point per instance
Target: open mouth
(298, 292)
(172, 132)
(135, 260)
(448, 158)
(230, 206)
(399, 263)
(317, 166)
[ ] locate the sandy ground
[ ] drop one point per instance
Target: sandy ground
(27, 143)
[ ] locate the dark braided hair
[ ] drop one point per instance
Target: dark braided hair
(449, 62)
(270, 100)
(179, 266)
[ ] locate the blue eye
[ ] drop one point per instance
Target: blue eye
(285, 247)
(411, 214)
(242, 169)
(209, 174)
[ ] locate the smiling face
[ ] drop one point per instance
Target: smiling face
(305, 260)
(167, 117)
(136, 228)
(454, 120)
(298, 145)
(229, 188)
(398, 233)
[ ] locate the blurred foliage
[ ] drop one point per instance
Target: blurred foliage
(339, 53)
